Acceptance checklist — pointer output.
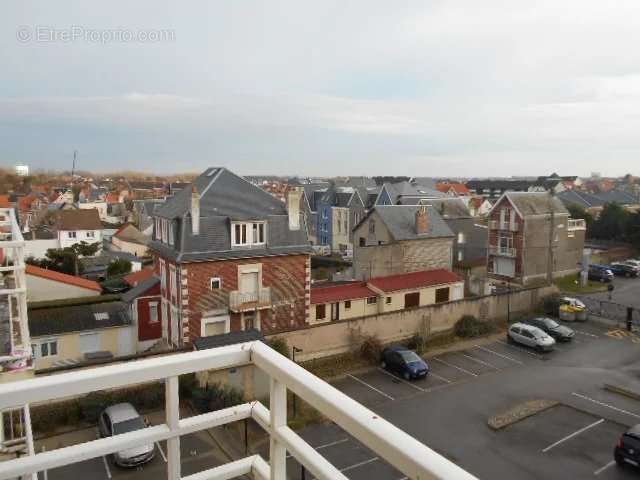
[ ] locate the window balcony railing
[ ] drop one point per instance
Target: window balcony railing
(506, 226)
(405, 453)
(576, 224)
(245, 301)
(502, 251)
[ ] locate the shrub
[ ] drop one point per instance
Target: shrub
(280, 345)
(417, 342)
(469, 326)
(371, 348)
(215, 397)
(551, 304)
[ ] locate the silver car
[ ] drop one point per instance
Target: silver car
(123, 418)
(530, 336)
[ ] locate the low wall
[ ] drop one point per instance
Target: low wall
(337, 337)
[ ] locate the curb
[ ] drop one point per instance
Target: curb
(495, 423)
(622, 391)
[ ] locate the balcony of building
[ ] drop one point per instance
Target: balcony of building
(246, 301)
(504, 226)
(576, 224)
(502, 251)
(410, 457)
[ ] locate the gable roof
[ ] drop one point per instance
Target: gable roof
(136, 277)
(78, 318)
(62, 278)
(450, 207)
(129, 233)
(413, 280)
(340, 293)
(400, 220)
(78, 219)
(140, 289)
(533, 203)
(459, 188)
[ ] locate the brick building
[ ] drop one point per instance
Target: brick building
(230, 257)
(529, 233)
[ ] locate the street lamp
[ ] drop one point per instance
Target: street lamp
(294, 350)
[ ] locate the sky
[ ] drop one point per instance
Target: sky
(420, 88)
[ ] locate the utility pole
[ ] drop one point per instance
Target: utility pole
(73, 166)
(552, 219)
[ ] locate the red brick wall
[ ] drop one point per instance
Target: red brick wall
(518, 237)
(146, 329)
(287, 276)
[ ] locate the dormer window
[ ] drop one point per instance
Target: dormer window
(248, 234)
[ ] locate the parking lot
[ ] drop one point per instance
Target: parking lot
(449, 409)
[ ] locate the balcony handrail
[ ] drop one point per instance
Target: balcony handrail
(497, 250)
(262, 295)
(412, 458)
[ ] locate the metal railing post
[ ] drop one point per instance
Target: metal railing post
(278, 409)
(172, 406)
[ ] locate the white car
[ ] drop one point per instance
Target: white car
(530, 336)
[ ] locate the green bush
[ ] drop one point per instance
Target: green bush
(280, 345)
(371, 348)
(215, 397)
(417, 342)
(469, 327)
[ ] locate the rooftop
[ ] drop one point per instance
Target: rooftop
(413, 280)
(78, 219)
(340, 293)
(62, 278)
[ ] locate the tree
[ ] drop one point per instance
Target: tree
(576, 211)
(119, 266)
(612, 223)
(66, 260)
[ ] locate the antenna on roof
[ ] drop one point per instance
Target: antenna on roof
(73, 166)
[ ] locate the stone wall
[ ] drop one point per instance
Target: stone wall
(337, 337)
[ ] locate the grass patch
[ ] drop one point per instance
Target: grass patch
(519, 412)
(330, 367)
(570, 284)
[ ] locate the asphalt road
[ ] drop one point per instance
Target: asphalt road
(449, 411)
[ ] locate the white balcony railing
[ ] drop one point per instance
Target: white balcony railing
(243, 301)
(506, 226)
(502, 251)
(404, 452)
(576, 224)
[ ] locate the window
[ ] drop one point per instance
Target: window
(48, 348)
(372, 226)
(412, 300)
(90, 234)
(173, 283)
(156, 233)
(164, 230)
(170, 233)
(321, 312)
(163, 276)
(153, 312)
(248, 234)
(460, 255)
(347, 305)
(363, 242)
(460, 237)
(372, 300)
(215, 283)
(442, 295)
(389, 300)
(71, 234)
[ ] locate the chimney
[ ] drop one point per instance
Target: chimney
(195, 210)
(422, 220)
(293, 206)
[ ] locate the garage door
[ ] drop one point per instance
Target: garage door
(215, 325)
(505, 266)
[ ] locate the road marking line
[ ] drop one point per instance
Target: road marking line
(438, 376)
(507, 357)
(106, 466)
(586, 333)
(326, 445)
(518, 348)
(356, 465)
(401, 380)
(164, 457)
(597, 402)
(455, 366)
(474, 359)
(602, 469)
(568, 437)
(371, 387)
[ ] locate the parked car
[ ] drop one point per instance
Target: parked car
(634, 262)
(573, 304)
(404, 362)
(624, 269)
(123, 418)
(600, 273)
(627, 450)
(530, 336)
(559, 333)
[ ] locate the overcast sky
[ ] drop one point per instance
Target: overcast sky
(428, 88)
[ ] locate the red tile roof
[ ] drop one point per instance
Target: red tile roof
(406, 281)
(459, 188)
(113, 197)
(340, 293)
(62, 278)
(135, 278)
(4, 201)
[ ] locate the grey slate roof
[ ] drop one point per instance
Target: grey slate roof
(140, 289)
(400, 220)
(535, 203)
(446, 207)
(403, 190)
(78, 318)
(224, 339)
(590, 200)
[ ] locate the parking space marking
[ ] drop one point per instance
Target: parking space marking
(597, 402)
(586, 333)
(477, 360)
(602, 469)
(439, 377)
(574, 434)
(455, 366)
(164, 457)
(402, 380)
(371, 387)
(518, 348)
(106, 466)
(356, 465)
(507, 357)
(325, 445)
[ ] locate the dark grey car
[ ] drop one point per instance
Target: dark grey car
(559, 332)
